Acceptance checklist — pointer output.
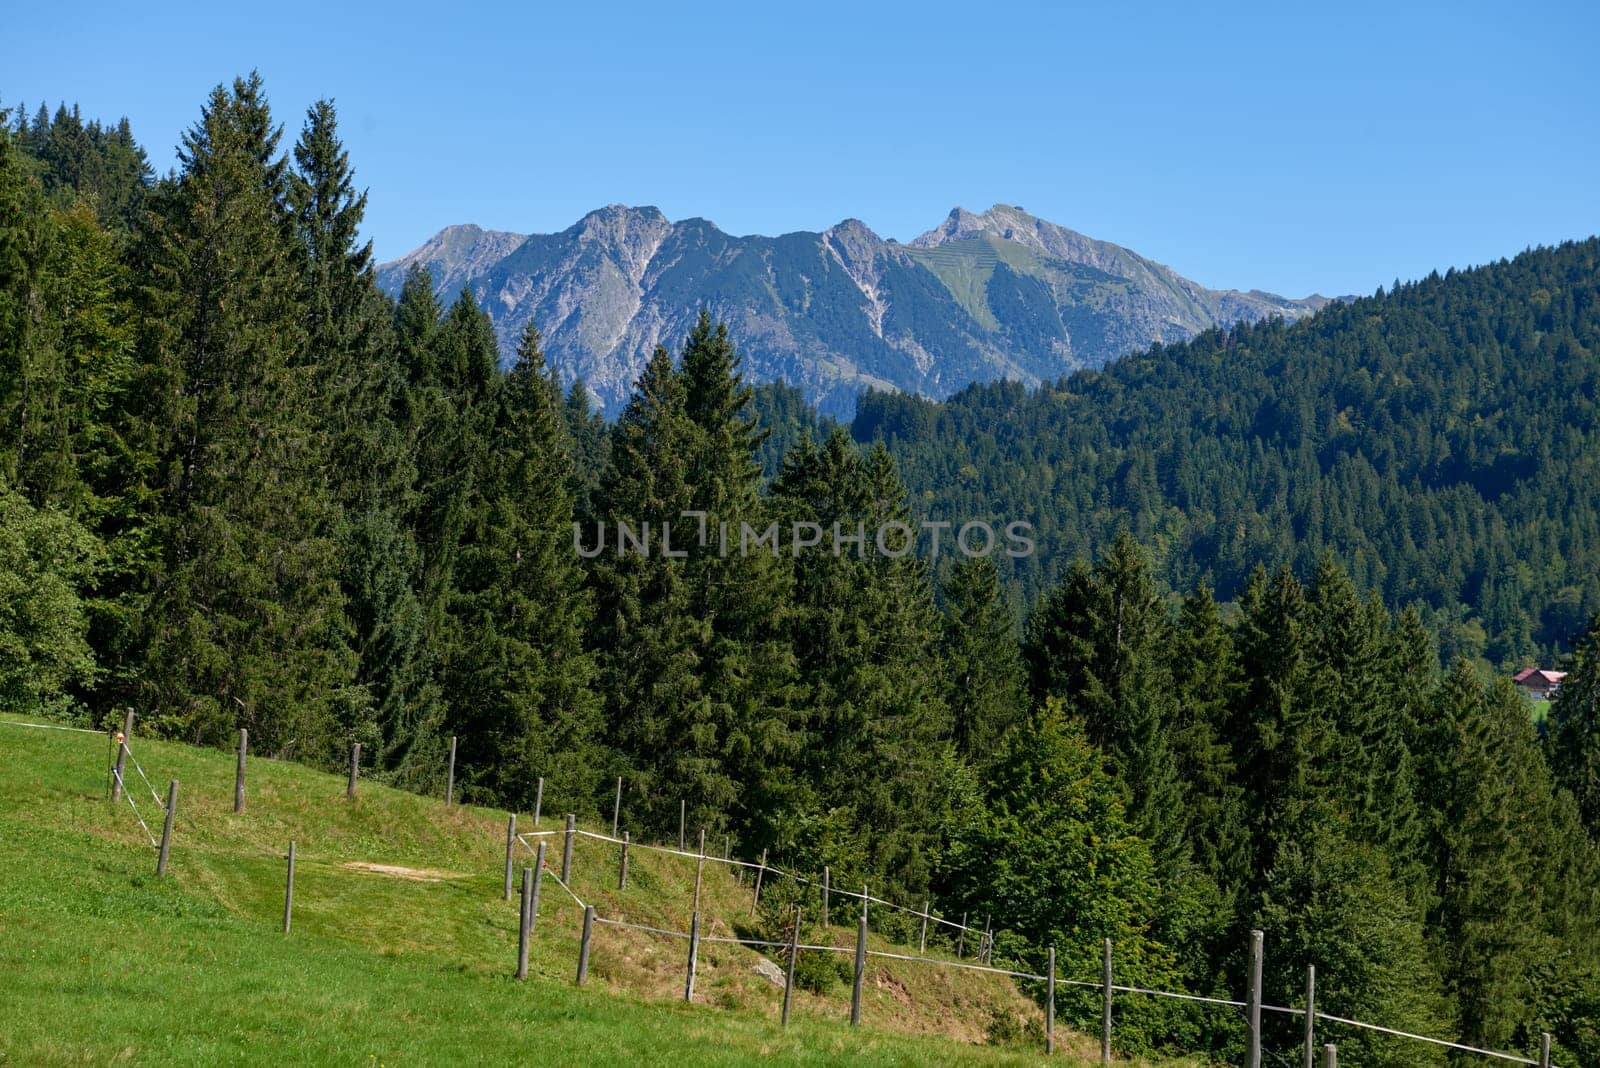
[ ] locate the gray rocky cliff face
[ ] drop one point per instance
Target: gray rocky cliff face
(1001, 294)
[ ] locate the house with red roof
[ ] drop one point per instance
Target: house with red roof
(1539, 682)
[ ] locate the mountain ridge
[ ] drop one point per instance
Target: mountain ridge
(1000, 294)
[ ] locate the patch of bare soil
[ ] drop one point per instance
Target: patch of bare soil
(421, 875)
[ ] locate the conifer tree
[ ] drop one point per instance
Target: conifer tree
(245, 619)
(518, 678)
(983, 666)
(1574, 729)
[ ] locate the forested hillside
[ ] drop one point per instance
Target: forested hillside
(1442, 439)
(240, 486)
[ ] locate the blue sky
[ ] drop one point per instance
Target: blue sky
(1325, 148)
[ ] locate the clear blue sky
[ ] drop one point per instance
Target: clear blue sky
(1289, 147)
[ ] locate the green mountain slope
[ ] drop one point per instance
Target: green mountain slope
(1443, 439)
(402, 948)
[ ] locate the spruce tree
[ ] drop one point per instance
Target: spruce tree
(245, 621)
(984, 680)
(1573, 735)
(518, 677)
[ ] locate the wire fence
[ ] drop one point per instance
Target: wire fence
(1251, 1010)
(1252, 1007)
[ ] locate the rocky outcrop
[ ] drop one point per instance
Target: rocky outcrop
(1001, 294)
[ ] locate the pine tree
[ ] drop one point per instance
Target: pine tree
(518, 679)
(646, 636)
(355, 371)
(1100, 644)
(1573, 737)
(983, 666)
(1479, 751)
(245, 619)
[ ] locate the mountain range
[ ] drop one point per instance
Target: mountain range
(980, 297)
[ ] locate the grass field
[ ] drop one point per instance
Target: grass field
(103, 962)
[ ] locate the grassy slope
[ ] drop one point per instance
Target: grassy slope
(105, 962)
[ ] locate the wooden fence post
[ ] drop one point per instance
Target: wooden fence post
(622, 869)
(1253, 1005)
(1050, 1004)
(827, 916)
(861, 970)
(922, 939)
(682, 809)
(961, 939)
(616, 809)
(538, 884)
(788, 975)
(987, 956)
(583, 946)
(238, 771)
(756, 900)
(566, 850)
(450, 776)
(524, 921)
(1330, 1056)
(1105, 1008)
(166, 830)
(288, 892)
(699, 870)
(355, 768)
(1544, 1049)
(538, 802)
(122, 757)
(1311, 1016)
(694, 953)
(511, 845)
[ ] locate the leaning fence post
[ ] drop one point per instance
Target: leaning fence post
(681, 812)
(583, 946)
(756, 900)
(694, 952)
(166, 830)
(699, 869)
(861, 968)
(355, 769)
(616, 809)
(988, 940)
(622, 868)
(1105, 1008)
(566, 851)
(511, 845)
(538, 883)
(288, 892)
(827, 916)
(1253, 1008)
(961, 939)
(788, 975)
(538, 802)
(922, 939)
(450, 775)
(238, 771)
(1330, 1056)
(1311, 1016)
(524, 921)
(1050, 1004)
(1544, 1049)
(122, 757)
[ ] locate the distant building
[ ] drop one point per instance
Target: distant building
(1539, 682)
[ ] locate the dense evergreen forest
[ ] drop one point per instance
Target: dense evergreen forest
(241, 487)
(1442, 439)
